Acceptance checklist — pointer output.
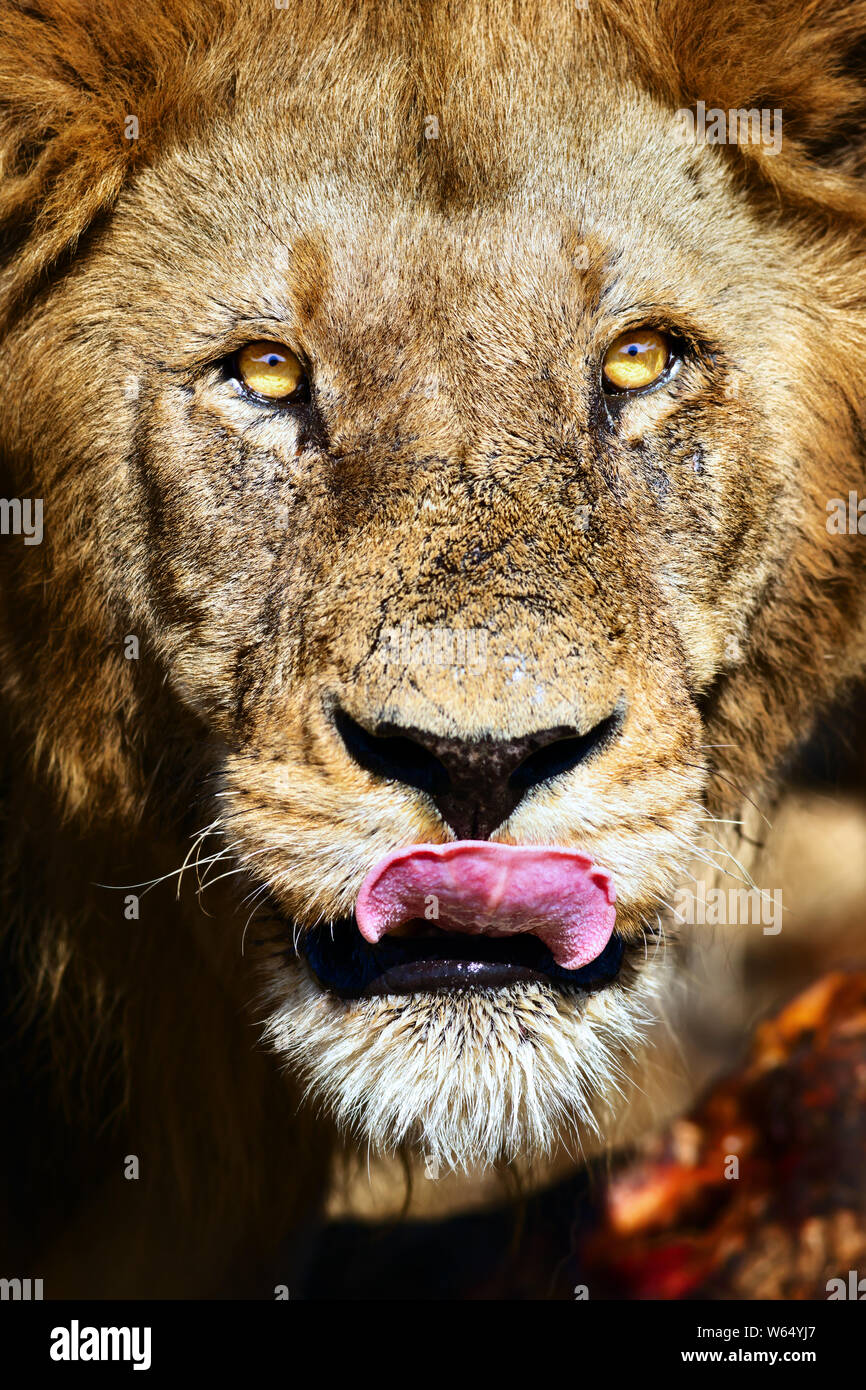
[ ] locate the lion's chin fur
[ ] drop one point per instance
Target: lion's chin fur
(470, 1079)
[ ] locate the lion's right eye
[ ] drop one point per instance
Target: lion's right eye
(635, 359)
(272, 371)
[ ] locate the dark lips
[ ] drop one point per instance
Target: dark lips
(440, 962)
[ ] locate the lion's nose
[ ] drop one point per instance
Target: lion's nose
(476, 785)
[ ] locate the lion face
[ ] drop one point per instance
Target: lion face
(457, 584)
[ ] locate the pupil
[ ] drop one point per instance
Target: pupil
(632, 350)
(273, 361)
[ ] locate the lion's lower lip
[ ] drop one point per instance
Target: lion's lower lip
(443, 976)
(441, 962)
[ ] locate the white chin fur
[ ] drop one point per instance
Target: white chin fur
(470, 1079)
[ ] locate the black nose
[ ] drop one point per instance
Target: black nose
(476, 785)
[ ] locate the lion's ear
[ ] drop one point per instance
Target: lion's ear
(86, 92)
(805, 59)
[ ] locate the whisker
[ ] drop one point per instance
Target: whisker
(714, 772)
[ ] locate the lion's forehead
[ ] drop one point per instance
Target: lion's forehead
(392, 282)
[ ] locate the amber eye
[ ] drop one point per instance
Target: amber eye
(635, 359)
(271, 370)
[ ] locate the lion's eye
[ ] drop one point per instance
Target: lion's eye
(635, 359)
(271, 370)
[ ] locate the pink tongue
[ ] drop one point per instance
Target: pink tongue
(494, 890)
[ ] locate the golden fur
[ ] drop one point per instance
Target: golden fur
(454, 294)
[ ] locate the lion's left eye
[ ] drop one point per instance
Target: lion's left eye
(271, 370)
(635, 359)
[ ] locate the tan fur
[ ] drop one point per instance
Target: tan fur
(455, 296)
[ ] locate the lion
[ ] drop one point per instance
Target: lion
(430, 413)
